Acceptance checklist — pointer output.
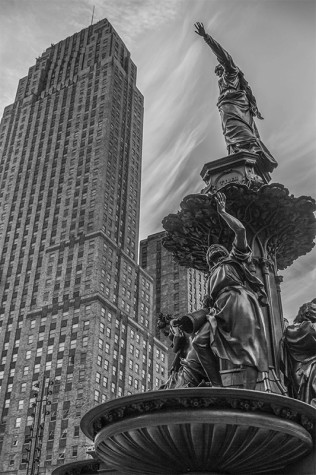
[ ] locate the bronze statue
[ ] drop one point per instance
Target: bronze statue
(230, 326)
(237, 105)
(299, 351)
(180, 373)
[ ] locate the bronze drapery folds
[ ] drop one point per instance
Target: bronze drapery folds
(299, 354)
(231, 325)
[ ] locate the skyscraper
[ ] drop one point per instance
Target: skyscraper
(75, 308)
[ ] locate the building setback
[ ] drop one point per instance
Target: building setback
(177, 290)
(75, 308)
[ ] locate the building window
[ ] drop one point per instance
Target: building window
(74, 452)
(61, 346)
(59, 363)
(85, 341)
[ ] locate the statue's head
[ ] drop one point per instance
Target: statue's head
(215, 253)
(219, 70)
(307, 312)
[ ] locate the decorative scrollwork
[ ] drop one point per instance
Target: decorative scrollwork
(195, 403)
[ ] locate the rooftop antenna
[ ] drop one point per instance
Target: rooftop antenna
(92, 14)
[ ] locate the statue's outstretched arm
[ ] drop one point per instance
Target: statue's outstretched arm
(223, 57)
(233, 223)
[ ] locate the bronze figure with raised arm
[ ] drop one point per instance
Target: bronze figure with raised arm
(299, 354)
(231, 325)
(237, 105)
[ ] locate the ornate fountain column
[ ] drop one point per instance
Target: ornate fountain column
(280, 228)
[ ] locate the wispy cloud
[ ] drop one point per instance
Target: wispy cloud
(132, 17)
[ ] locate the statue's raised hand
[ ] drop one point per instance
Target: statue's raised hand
(220, 199)
(200, 29)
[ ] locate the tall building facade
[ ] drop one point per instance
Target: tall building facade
(75, 308)
(177, 290)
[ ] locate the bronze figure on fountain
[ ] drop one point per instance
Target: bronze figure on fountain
(237, 105)
(299, 354)
(230, 326)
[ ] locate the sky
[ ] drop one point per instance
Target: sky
(272, 41)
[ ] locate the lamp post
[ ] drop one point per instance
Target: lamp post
(42, 393)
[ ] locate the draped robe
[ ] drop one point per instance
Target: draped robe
(237, 107)
(237, 331)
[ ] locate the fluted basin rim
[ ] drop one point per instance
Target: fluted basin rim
(240, 399)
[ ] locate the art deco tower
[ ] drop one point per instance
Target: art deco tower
(75, 308)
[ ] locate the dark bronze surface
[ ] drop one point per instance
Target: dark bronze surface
(299, 354)
(285, 225)
(237, 105)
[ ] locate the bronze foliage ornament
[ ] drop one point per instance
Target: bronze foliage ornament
(285, 225)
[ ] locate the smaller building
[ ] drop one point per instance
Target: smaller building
(177, 290)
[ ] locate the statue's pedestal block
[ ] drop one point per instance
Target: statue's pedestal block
(243, 167)
(204, 430)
